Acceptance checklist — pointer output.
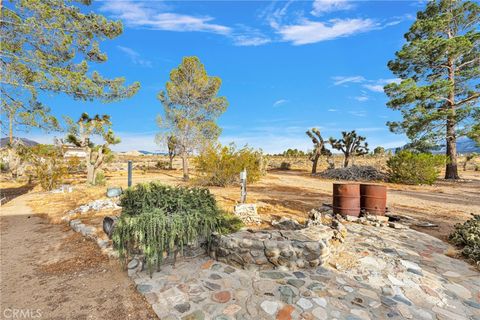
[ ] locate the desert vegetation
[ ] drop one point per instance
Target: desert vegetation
(223, 209)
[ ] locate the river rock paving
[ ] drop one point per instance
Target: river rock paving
(397, 274)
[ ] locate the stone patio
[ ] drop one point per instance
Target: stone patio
(382, 273)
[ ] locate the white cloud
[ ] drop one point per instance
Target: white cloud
(362, 98)
(332, 110)
(377, 85)
(138, 14)
(308, 31)
(358, 113)
(323, 6)
(135, 56)
(249, 40)
(279, 102)
(338, 80)
(374, 87)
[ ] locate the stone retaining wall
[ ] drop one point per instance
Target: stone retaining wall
(274, 249)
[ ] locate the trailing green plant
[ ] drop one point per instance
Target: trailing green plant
(414, 168)
(221, 165)
(160, 220)
(158, 233)
(467, 236)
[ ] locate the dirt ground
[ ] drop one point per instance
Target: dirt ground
(50, 272)
(294, 193)
(50, 269)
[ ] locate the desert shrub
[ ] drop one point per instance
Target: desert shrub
(414, 168)
(162, 165)
(47, 164)
(3, 167)
(467, 236)
(221, 165)
(285, 166)
(160, 220)
(154, 195)
(100, 179)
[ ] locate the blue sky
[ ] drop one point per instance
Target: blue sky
(286, 67)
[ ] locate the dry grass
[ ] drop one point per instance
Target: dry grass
(55, 205)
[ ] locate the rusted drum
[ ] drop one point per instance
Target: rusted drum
(346, 199)
(373, 198)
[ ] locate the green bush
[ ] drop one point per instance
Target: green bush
(161, 220)
(467, 236)
(414, 168)
(100, 179)
(221, 165)
(285, 166)
(162, 165)
(154, 195)
(47, 164)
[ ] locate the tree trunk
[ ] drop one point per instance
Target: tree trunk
(10, 122)
(90, 173)
(186, 177)
(451, 171)
(170, 165)
(315, 163)
(346, 160)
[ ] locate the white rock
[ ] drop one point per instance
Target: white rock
(304, 303)
(362, 314)
(322, 302)
(269, 307)
(410, 265)
(320, 313)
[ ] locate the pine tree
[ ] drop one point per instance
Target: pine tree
(191, 108)
(47, 47)
(439, 67)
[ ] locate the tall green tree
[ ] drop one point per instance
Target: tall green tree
(191, 108)
(47, 46)
(439, 67)
(80, 134)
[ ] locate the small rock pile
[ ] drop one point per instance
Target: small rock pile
(325, 215)
(247, 212)
(96, 205)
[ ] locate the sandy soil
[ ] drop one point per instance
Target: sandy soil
(294, 193)
(49, 270)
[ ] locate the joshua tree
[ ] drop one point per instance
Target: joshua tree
(351, 145)
(80, 133)
(318, 147)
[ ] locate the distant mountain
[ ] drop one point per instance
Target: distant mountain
(5, 141)
(464, 145)
(152, 153)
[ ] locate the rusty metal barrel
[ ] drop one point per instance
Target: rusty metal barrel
(373, 198)
(346, 199)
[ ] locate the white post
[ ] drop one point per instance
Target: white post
(243, 186)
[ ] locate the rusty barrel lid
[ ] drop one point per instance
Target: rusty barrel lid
(346, 198)
(373, 198)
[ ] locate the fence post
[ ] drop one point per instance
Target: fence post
(129, 173)
(243, 182)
